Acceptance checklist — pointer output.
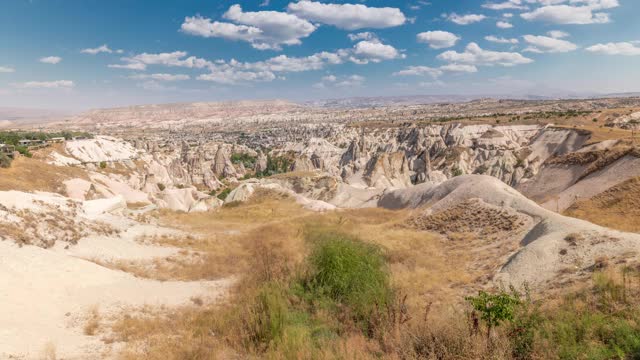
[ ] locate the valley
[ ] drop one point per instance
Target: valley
(171, 231)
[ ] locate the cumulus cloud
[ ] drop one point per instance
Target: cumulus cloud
(160, 77)
(438, 39)
(264, 30)
(51, 60)
(545, 44)
(578, 12)
(460, 68)
(436, 72)
(504, 25)
(374, 51)
(233, 71)
(100, 49)
(510, 4)
(64, 84)
(130, 66)
(475, 55)
(348, 16)
(340, 82)
(5, 69)
(419, 71)
(501, 40)
(465, 19)
(557, 34)
(619, 48)
(362, 36)
(173, 59)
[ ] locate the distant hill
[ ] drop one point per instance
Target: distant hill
(20, 117)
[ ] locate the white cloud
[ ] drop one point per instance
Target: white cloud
(619, 48)
(233, 71)
(436, 72)
(51, 60)
(362, 36)
(438, 39)
(463, 68)
(510, 4)
(5, 69)
(264, 30)
(100, 49)
(465, 19)
(419, 71)
(557, 34)
(545, 44)
(342, 82)
(507, 15)
(504, 25)
(474, 55)
(160, 77)
(130, 66)
(348, 16)
(374, 51)
(65, 84)
(174, 59)
(577, 12)
(501, 40)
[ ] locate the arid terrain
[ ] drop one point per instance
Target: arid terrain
(270, 229)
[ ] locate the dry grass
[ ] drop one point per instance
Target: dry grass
(93, 322)
(618, 207)
(27, 174)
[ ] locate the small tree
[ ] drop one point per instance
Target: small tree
(495, 308)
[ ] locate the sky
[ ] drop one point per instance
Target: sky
(81, 54)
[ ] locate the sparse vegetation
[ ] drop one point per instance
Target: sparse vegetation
(222, 195)
(276, 165)
(246, 160)
(5, 161)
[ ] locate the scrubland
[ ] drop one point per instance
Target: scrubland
(365, 284)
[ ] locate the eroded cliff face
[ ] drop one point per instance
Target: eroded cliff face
(400, 157)
(181, 174)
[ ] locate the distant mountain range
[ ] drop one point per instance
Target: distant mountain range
(364, 102)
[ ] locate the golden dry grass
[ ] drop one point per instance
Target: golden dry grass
(26, 174)
(617, 208)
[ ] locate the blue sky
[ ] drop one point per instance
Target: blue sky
(79, 54)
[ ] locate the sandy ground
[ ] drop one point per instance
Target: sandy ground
(46, 296)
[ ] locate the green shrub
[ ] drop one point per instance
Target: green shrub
(161, 186)
(246, 160)
(456, 171)
(494, 309)
(276, 165)
(5, 161)
(103, 164)
(223, 194)
(24, 151)
(349, 272)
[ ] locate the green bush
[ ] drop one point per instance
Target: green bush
(349, 272)
(5, 161)
(246, 160)
(24, 151)
(223, 194)
(276, 165)
(103, 164)
(161, 186)
(456, 171)
(494, 308)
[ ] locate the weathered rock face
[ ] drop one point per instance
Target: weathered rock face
(398, 157)
(386, 170)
